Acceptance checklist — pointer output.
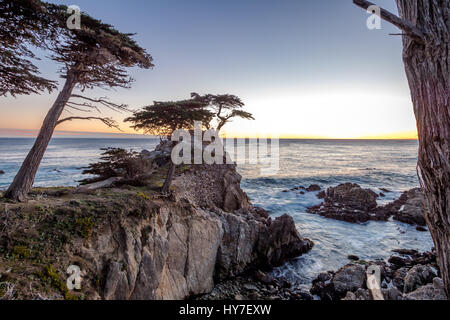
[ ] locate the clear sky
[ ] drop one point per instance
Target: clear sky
(304, 68)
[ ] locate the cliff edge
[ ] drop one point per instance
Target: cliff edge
(131, 243)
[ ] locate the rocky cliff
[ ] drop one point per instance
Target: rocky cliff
(131, 243)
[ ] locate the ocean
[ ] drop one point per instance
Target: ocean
(372, 164)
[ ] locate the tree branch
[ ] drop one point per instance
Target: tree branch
(107, 121)
(406, 26)
(104, 102)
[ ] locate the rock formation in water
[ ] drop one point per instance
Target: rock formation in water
(349, 202)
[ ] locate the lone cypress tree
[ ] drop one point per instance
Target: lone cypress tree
(96, 55)
(163, 118)
(426, 45)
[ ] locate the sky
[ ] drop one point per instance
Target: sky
(305, 69)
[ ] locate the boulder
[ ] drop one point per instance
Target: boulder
(412, 211)
(281, 243)
(432, 291)
(349, 278)
(2, 172)
(348, 202)
(418, 276)
(313, 188)
(408, 208)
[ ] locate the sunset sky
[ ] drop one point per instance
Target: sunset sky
(305, 69)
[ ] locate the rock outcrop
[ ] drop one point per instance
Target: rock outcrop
(131, 243)
(349, 202)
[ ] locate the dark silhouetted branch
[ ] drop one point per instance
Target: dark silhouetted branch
(406, 26)
(107, 121)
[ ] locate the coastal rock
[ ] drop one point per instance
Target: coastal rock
(418, 276)
(282, 243)
(311, 188)
(187, 246)
(432, 291)
(416, 280)
(335, 286)
(412, 211)
(408, 208)
(349, 278)
(249, 287)
(348, 202)
(2, 172)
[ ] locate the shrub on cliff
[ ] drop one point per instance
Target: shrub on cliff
(117, 162)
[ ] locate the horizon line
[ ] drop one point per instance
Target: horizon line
(60, 134)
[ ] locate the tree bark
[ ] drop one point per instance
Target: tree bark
(427, 64)
(24, 179)
(170, 174)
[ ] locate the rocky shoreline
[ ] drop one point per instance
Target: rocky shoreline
(407, 275)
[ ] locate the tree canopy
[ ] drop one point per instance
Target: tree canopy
(224, 106)
(163, 118)
(23, 24)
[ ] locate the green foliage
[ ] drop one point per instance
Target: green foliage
(143, 196)
(117, 162)
(224, 106)
(85, 226)
(49, 274)
(22, 23)
(21, 252)
(163, 118)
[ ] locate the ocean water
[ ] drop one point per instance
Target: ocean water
(371, 163)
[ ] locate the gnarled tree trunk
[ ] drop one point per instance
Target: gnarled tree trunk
(426, 48)
(24, 179)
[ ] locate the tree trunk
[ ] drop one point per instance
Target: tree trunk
(24, 179)
(426, 46)
(427, 69)
(170, 174)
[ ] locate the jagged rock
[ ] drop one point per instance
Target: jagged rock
(334, 286)
(313, 188)
(348, 202)
(360, 294)
(349, 278)
(412, 211)
(408, 208)
(282, 243)
(392, 294)
(397, 283)
(418, 276)
(432, 291)
(399, 278)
